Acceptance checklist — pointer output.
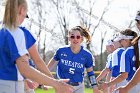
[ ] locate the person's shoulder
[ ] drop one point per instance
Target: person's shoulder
(85, 49)
(65, 47)
(24, 29)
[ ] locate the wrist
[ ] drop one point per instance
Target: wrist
(55, 84)
(108, 84)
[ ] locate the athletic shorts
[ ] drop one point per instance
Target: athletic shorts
(11, 86)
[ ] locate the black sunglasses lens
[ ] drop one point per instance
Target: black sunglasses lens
(72, 37)
(78, 37)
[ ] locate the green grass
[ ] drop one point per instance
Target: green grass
(87, 90)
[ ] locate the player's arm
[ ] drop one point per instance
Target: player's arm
(91, 77)
(135, 80)
(40, 64)
(52, 63)
(103, 73)
(118, 79)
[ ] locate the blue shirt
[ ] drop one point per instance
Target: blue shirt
(71, 66)
(127, 63)
(116, 58)
(13, 44)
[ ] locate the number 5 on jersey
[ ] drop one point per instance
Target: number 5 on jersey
(71, 70)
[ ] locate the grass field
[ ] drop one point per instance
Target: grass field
(87, 90)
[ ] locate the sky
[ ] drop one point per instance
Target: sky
(119, 14)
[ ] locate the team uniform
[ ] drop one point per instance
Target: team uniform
(116, 58)
(109, 61)
(13, 44)
(71, 66)
(128, 65)
(109, 66)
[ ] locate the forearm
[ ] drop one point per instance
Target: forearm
(108, 77)
(35, 75)
(118, 79)
(102, 74)
(134, 80)
(41, 66)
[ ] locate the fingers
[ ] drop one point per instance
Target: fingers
(64, 80)
(63, 87)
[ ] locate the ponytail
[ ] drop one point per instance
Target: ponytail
(136, 50)
(11, 12)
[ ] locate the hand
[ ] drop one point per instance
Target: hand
(122, 90)
(112, 88)
(103, 86)
(62, 87)
(31, 84)
(96, 90)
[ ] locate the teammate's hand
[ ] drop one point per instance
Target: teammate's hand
(63, 87)
(31, 84)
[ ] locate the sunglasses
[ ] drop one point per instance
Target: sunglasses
(73, 37)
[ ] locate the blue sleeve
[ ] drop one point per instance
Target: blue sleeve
(57, 55)
(12, 48)
(89, 61)
(125, 62)
(30, 40)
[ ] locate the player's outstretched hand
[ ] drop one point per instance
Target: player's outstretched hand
(63, 87)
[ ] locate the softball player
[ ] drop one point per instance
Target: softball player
(128, 59)
(129, 69)
(135, 79)
(15, 43)
(107, 70)
(116, 58)
(73, 59)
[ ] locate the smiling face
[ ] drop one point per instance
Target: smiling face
(75, 38)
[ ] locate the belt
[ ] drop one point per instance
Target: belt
(74, 83)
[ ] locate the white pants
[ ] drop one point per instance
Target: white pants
(79, 89)
(29, 91)
(123, 83)
(11, 86)
(135, 89)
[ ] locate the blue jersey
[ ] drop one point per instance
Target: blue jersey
(109, 61)
(116, 58)
(13, 44)
(127, 63)
(71, 66)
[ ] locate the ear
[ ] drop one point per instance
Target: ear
(21, 10)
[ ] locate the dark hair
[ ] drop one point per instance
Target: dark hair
(83, 31)
(134, 42)
(138, 13)
(136, 48)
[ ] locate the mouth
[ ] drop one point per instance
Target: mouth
(75, 42)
